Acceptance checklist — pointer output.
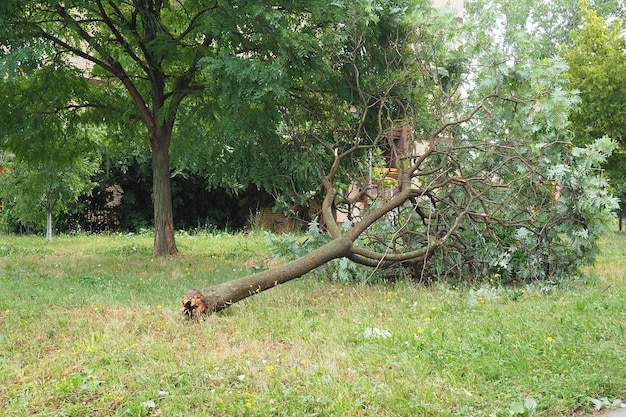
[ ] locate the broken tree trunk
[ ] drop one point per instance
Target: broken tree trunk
(197, 302)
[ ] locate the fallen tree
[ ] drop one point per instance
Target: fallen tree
(451, 160)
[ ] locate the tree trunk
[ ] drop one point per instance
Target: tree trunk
(164, 241)
(216, 298)
(49, 225)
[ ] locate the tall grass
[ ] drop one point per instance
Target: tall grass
(90, 325)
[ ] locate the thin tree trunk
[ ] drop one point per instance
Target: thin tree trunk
(49, 225)
(164, 241)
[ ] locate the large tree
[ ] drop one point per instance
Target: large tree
(597, 69)
(149, 61)
(486, 180)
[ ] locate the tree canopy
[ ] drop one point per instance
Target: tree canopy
(171, 69)
(597, 69)
(53, 149)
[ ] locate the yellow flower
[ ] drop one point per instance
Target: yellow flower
(549, 339)
(270, 368)
(147, 312)
(420, 330)
(248, 404)
(427, 319)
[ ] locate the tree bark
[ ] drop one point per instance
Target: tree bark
(49, 225)
(164, 241)
(198, 302)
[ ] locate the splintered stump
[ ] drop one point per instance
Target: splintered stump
(193, 304)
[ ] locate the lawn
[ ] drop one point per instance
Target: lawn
(90, 326)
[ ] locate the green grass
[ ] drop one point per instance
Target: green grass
(90, 326)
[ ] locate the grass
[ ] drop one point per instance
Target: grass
(90, 326)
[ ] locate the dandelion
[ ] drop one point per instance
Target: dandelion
(248, 404)
(96, 308)
(427, 319)
(420, 330)
(270, 368)
(159, 307)
(388, 300)
(549, 339)
(147, 312)
(433, 309)
(59, 350)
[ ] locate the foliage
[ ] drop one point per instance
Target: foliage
(494, 185)
(597, 64)
(51, 150)
(208, 77)
(84, 331)
(537, 26)
(34, 192)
